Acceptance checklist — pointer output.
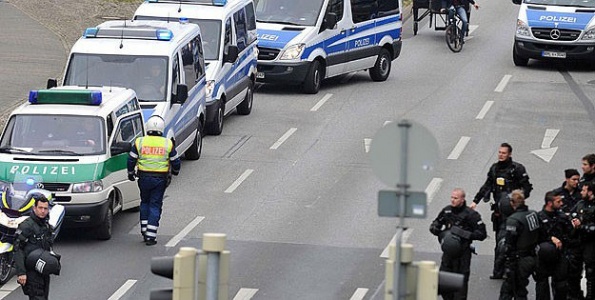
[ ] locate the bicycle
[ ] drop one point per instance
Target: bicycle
(454, 31)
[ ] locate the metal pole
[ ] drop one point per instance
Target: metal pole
(212, 275)
(400, 284)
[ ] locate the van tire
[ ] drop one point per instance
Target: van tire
(193, 153)
(104, 230)
(381, 69)
(518, 60)
(216, 126)
(245, 107)
(313, 78)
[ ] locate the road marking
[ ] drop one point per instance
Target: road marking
(545, 154)
(359, 294)
(484, 110)
(122, 290)
(178, 237)
(458, 149)
(321, 102)
(280, 141)
(245, 294)
(8, 288)
(503, 83)
(404, 239)
(347, 77)
(472, 28)
(432, 188)
(386, 122)
(239, 181)
(367, 143)
(550, 135)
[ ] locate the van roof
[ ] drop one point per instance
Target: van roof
(189, 9)
(127, 37)
(112, 98)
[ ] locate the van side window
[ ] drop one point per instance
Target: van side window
(199, 58)
(250, 23)
(175, 80)
(228, 34)
(191, 60)
(387, 8)
(336, 6)
(110, 125)
(239, 17)
(129, 129)
(364, 10)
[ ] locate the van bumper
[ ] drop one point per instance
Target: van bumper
(84, 215)
(397, 48)
(289, 73)
(532, 49)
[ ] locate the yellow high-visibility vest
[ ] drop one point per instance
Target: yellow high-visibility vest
(153, 153)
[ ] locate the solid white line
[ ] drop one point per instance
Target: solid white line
(458, 149)
(367, 143)
(8, 288)
(404, 239)
(484, 110)
(550, 135)
(122, 290)
(359, 294)
(239, 181)
(432, 188)
(245, 294)
(178, 237)
(321, 102)
(280, 141)
(503, 83)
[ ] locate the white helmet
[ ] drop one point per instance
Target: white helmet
(155, 125)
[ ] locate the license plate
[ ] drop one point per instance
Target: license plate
(553, 54)
(260, 75)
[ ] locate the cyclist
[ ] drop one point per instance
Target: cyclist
(461, 6)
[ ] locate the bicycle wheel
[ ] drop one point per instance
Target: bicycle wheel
(453, 38)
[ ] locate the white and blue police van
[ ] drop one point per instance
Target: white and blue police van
(303, 42)
(162, 61)
(554, 30)
(228, 29)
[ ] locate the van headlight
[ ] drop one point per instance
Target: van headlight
(209, 87)
(589, 34)
(522, 28)
(293, 51)
(88, 187)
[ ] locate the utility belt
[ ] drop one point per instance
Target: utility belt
(525, 253)
(152, 174)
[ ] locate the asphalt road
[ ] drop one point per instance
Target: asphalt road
(303, 222)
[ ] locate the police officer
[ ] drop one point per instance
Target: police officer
(32, 234)
(155, 157)
(588, 166)
(555, 229)
(569, 191)
(503, 177)
(584, 222)
(522, 234)
(457, 226)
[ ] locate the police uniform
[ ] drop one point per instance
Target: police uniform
(153, 156)
(584, 179)
(569, 198)
(585, 212)
(32, 234)
(522, 234)
(503, 177)
(466, 225)
(552, 262)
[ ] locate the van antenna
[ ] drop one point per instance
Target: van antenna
(122, 36)
(180, 7)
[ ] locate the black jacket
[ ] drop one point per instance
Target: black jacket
(515, 177)
(32, 234)
(570, 199)
(463, 217)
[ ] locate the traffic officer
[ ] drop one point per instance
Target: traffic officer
(457, 226)
(584, 221)
(588, 166)
(155, 157)
(503, 177)
(522, 234)
(569, 190)
(555, 229)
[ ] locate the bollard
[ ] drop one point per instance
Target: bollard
(185, 274)
(214, 266)
(427, 280)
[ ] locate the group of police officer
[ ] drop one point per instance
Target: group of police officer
(554, 245)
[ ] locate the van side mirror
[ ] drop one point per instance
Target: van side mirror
(517, 1)
(231, 54)
(119, 148)
(181, 94)
(330, 20)
(52, 83)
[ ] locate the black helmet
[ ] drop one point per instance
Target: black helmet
(547, 252)
(452, 245)
(40, 194)
(43, 261)
(504, 205)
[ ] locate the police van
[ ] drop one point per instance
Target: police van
(162, 62)
(75, 142)
(303, 42)
(228, 31)
(554, 30)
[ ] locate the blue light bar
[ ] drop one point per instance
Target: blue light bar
(91, 32)
(164, 34)
(53, 96)
(183, 20)
(30, 181)
(153, 1)
(33, 96)
(219, 2)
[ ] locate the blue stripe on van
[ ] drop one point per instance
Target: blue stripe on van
(275, 39)
(550, 19)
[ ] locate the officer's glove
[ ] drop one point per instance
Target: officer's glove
(131, 177)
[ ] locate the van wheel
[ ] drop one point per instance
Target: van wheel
(216, 126)
(518, 60)
(313, 78)
(245, 107)
(381, 68)
(193, 153)
(104, 231)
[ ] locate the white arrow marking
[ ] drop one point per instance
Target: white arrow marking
(550, 135)
(545, 154)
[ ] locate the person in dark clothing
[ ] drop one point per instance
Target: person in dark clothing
(460, 7)
(569, 190)
(583, 220)
(522, 234)
(464, 225)
(33, 233)
(588, 166)
(555, 229)
(503, 177)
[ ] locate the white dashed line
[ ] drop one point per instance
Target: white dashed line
(321, 102)
(280, 141)
(8, 288)
(239, 181)
(503, 83)
(456, 152)
(472, 28)
(367, 143)
(433, 188)
(484, 110)
(404, 239)
(122, 290)
(359, 294)
(245, 294)
(178, 237)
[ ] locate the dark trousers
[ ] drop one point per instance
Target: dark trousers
(575, 271)
(152, 189)
(499, 255)
(515, 285)
(461, 265)
(37, 286)
(558, 271)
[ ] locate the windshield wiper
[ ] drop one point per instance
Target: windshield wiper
(8, 149)
(281, 22)
(68, 152)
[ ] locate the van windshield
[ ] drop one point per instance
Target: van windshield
(57, 135)
(571, 3)
(291, 12)
(146, 75)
